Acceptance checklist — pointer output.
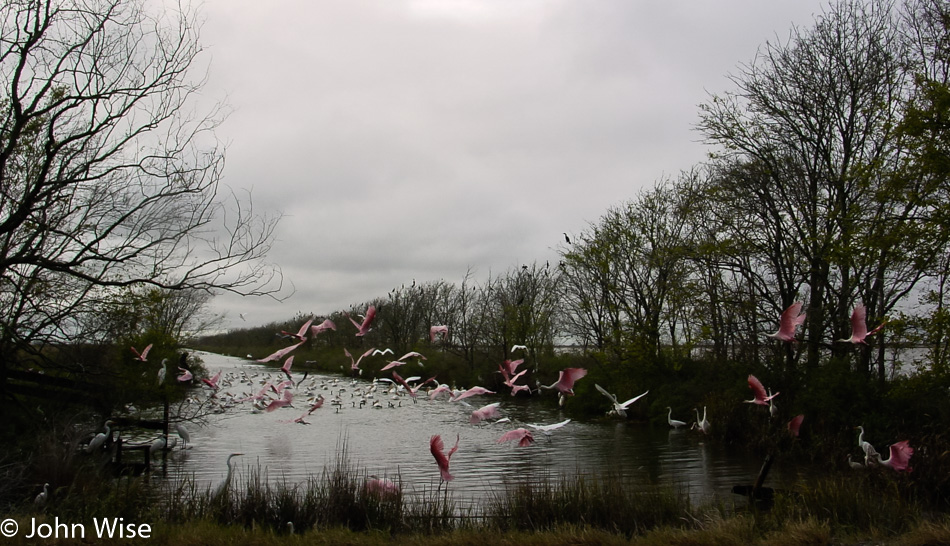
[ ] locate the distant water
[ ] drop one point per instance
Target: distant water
(394, 442)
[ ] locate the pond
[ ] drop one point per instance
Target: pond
(393, 441)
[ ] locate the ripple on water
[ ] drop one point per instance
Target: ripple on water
(394, 442)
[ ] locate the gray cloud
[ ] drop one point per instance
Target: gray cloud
(414, 139)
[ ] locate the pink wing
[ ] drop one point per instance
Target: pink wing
(287, 364)
(486, 412)
(791, 318)
(901, 452)
(281, 353)
(401, 381)
(367, 321)
(859, 327)
(522, 435)
(145, 351)
(795, 425)
(391, 365)
(758, 391)
(325, 325)
(436, 447)
(303, 329)
(474, 391)
(568, 377)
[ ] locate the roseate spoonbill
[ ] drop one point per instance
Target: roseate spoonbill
(281, 353)
(859, 329)
(185, 375)
(301, 333)
(474, 391)
(900, 454)
(364, 327)
(392, 365)
(322, 327)
(791, 318)
(566, 379)
(141, 356)
(286, 400)
(702, 424)
(515, 389)
(442, 459)
(521, 435)
(795, 425)
(485, 412)
(443, 388)
(758, 392)
(42, 497)
(355, 365)
(618, 408)
(673, 422)
(548, 429)
(381, 486)
(286, 367)
(222, 487)
(213, 382)
(411, 354)
(99, 439)
(441, 330)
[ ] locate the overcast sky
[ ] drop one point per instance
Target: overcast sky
(417, 139)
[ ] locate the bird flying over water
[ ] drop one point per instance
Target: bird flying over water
(437, 448)
(618, 408)
(566, 379)
(521, 435)
(281, 353)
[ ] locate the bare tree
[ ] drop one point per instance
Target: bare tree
(108, 177)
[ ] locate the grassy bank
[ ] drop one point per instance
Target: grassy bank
(338, 508)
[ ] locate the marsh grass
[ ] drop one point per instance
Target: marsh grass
(586, 507)
(869, 502)
(602, 502)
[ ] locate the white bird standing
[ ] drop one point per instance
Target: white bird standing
(222, 487)
(673, 422)
(42, 497)
(702, 424)
(99, 439)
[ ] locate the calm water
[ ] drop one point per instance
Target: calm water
(394, 442)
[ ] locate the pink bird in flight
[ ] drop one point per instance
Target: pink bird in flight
(758, 392)
(364, 327)
(859, 328)
(791, 318)
(441, 458)
(522, 435)
(438, 331)
(141, 356)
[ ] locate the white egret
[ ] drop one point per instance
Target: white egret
(222, 487)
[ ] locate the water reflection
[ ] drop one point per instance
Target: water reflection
(394, 442)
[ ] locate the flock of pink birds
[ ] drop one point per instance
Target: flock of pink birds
(790, 320)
